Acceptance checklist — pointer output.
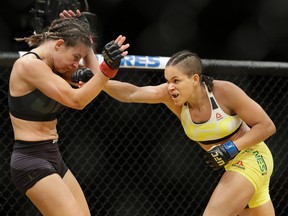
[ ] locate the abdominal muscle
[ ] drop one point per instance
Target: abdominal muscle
(34, 131)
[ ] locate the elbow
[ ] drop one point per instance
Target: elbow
(126, 100)
(78, 105)
(272, 128)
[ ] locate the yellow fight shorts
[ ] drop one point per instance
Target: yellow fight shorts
(256, 164)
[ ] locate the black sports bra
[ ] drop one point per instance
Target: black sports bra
(34, 106)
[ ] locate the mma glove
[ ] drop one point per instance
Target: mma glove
(218, 156)
(82, 74)
(112, 58)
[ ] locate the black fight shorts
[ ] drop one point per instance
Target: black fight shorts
(32, 161)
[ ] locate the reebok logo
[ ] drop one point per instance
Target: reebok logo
(218, 116)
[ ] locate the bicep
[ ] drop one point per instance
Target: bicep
(150, 94)
(155, 95)
(245, 107)
(130, 93)
(251, 112)
(40, 76)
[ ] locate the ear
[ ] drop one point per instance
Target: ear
(58, 44)
(196, 79)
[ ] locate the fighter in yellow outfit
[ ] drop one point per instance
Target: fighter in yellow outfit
(255, 163)
(226, 123)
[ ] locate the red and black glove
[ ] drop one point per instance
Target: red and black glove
(112, 59)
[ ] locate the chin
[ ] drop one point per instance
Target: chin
(65, 71)
(178, 103)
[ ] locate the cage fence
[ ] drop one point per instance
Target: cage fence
(135, 159)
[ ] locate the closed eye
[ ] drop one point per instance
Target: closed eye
(77, 58)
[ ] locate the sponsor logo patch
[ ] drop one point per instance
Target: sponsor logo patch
(239, 164)
(218, 116)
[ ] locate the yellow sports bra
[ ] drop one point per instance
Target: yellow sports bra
(220, 126)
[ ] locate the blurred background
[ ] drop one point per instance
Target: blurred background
(215, 29)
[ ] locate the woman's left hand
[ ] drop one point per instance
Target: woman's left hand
(69, 13)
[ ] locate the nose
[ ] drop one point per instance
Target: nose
(171, 86)
(75, 65)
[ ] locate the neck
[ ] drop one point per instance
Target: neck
(198, 98)
(44, 55)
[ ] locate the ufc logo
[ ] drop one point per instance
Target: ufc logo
(218, 160)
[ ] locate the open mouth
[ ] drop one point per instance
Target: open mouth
(174, 95)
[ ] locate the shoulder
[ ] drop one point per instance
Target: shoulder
(28, 64)
(159, 94)
(167, 100)
(161, 89)
(223, 83)
(229, 95)
(27, 60)
(155, 94)
(157, 91)
(225, 87)
(163, 93)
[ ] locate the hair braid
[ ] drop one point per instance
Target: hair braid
(208, 81)
(71, 30)
(190, 64)
(188, 61)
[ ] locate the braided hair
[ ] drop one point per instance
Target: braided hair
(190, 63)
(72, 30)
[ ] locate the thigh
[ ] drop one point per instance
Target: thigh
(52, 197)
(231, 195)
(256, 164)
(77, 191)
(32, 161)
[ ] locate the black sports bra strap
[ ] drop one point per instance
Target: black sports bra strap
(38, 57)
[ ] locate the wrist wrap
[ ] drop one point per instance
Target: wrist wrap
(231, 148)
(107, 71)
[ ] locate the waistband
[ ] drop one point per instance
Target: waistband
(40, 149)
(35, 142)
(38, 145)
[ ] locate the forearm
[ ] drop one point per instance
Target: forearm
(258, 133)
(91, 62)
(120, 91)
(91, 89)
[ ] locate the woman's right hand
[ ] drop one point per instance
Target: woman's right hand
(112, 53)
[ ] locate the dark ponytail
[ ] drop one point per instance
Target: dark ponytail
(208, 81)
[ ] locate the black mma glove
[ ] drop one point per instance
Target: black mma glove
(112, 58)
(218, 156)
(82, 74)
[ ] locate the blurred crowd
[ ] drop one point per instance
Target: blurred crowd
(215, 29)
